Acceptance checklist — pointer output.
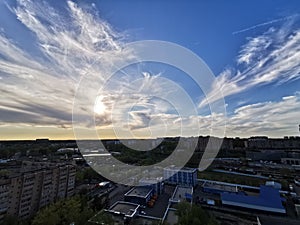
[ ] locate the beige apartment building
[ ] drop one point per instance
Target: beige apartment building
(4, 197)
(34, 186)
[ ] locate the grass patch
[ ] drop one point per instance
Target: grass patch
(231, 178)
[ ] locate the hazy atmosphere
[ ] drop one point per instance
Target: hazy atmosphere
(47, 47)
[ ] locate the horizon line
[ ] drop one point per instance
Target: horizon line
(106, 139)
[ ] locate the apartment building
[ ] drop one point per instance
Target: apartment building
(36, 185)
(4, 197)
(286, 143)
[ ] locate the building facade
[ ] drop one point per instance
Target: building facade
(274, 143)
(4, 197)
(185, 176)
(155, 183)
(290, 161)
(24, 193)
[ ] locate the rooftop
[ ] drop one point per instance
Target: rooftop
(139, 192)
(151, 180)
(181, 193)
(186, 169)
(126, 208)
(268, 200)
(221, 187)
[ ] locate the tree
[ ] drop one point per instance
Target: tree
(67, 211)
(193, 215)
(158, 222)
(12, 220)
(103, 218)
(9, 220)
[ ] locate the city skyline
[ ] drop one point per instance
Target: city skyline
(46, 48)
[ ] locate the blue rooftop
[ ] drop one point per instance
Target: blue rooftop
(268, 200)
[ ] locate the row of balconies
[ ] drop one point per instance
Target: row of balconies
(63, 180)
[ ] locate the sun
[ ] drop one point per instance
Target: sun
(99, 107)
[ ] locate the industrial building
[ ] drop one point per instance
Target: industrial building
(139, 195)
(269, 200)
(155, 183)
(185, 176)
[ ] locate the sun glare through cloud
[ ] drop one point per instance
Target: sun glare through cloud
(149, 112)
(38, 84)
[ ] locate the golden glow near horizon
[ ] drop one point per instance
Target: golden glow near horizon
(55, 133)
(41, 73)
(52, 133)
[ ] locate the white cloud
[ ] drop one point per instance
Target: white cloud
(271, 118)
(253, 50)
(265, 24)
(266, 118)
(39, 91)
(270, 57)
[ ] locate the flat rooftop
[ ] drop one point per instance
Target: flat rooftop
(142, 192)
(186, 169)
(268, 200)
(181, 193)
(125, 208)
(220, 187)
(151, 180)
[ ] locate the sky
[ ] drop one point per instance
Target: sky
(50, 49)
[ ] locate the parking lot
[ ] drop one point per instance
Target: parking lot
(159, 207)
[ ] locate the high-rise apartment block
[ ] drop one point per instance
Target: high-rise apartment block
(27, 189)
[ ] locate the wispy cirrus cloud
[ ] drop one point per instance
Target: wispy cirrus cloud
(270, 57)
(273, 118)
(39, 90)
(270, 22)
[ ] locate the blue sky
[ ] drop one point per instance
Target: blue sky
(252, 47)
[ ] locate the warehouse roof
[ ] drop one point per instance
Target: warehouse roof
(268, 200)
